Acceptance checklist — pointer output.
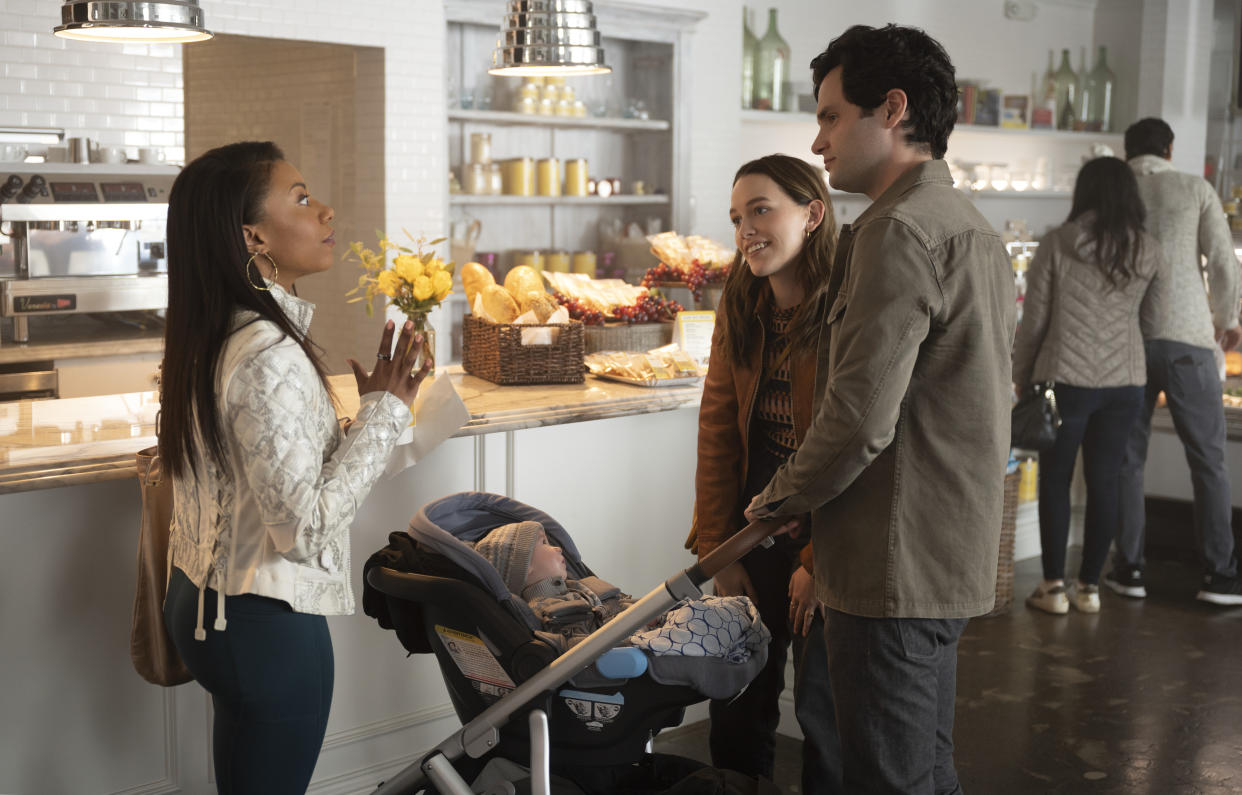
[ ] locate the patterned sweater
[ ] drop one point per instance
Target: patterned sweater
(274, 521)
(1185, 215)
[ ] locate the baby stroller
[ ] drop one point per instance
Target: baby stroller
(593, 709)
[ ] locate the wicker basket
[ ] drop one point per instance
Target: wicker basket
(1004, 566)
(494, 351)
(628, 336)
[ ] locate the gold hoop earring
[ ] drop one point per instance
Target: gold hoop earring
(275, 271)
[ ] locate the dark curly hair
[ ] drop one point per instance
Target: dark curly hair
(1150, 136)
(874, 61)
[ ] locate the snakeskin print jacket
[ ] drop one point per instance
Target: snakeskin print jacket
(274, 521)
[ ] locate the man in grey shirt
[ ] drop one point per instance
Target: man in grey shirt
(1185, 215)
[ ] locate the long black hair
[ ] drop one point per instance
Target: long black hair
(803, 183)
(208, 282)
(1106, 187)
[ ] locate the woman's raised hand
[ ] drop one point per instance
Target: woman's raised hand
(392, 371)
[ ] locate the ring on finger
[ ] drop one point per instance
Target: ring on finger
(387, 357)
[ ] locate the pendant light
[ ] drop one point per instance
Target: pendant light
(132, 21)
(548, 37)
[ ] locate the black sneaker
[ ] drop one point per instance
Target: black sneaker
(1127, 581)
(1221, 590)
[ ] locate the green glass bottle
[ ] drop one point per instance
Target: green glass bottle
(1066, 93)
(1098, 90)
(772, 69)
(750, 47)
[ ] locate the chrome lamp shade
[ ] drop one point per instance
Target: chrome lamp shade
(141, 21)
(548, 37)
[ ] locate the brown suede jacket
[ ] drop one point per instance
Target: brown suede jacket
(729, 393)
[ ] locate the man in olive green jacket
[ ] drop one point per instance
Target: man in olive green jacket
(903, 466)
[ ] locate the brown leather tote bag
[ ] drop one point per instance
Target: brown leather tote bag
(155, 658)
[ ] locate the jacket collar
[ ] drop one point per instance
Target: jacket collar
(298, 312)
(929, 171)
(550, 586)
(1149, 164)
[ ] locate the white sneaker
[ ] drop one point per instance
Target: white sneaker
(1087, 598)
(1051, 599)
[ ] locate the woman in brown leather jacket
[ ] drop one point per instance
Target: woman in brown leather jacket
(757, 404)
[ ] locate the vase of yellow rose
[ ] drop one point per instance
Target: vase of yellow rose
(415, 281)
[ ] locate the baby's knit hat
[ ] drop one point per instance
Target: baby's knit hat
(509, 548)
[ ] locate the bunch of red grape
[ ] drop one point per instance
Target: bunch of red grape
(695, 278)
(580, 311)
(647, 309)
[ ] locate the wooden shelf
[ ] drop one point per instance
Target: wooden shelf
(466, 199)
(505, 117)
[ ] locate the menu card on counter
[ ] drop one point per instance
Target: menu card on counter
(694, 334)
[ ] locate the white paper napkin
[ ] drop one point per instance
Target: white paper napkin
(439, 413)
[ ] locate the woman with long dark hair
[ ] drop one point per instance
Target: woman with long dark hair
(757, 403)
(265, 481)
(1095, 287)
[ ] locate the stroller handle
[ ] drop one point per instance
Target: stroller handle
(732, 550)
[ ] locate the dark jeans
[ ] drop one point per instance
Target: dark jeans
(743, 731)
(895, 680)
(270, 678)
(1099, 421)
(1189, 379)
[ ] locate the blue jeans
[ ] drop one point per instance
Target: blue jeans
(1099, 421)
(270, 676)
(1188, 377)
(894, 681)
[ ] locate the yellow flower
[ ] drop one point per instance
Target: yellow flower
(408, 267)
(389, 283)
(422, 288)
(442, 283)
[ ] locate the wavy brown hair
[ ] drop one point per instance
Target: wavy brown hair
(743, 291)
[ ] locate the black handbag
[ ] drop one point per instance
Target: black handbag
(1035, 419)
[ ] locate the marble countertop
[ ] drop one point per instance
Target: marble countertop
(50, 443)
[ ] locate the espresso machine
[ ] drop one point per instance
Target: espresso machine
(82, 237)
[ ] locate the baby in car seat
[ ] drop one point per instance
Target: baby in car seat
(569, 609)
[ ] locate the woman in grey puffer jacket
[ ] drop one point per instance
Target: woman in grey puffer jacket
(1096, 286)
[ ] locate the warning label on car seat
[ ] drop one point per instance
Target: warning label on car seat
(475, 661)
(596, 710)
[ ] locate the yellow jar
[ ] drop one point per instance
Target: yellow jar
(474, 178)
(531, 259)
(480, 147)
(548, 177)
(519, 177)
(583, 262)
(576, 177)
(1028, 480)
(556, 261)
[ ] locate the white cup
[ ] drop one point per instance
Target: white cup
(150, 155)
(111, 154)
(13, 152)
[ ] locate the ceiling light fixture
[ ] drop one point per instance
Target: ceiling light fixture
(548, 37)
(140, 21)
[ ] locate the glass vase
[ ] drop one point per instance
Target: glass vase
(771, 69)
(750, 45)
(1098, 89)
(423, 326)
(1066, 93)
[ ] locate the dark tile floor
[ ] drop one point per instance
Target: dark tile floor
(1145, 697)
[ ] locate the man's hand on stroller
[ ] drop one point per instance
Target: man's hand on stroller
(733, 580)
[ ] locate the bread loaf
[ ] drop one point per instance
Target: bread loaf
(542, 304)
(521, 280)
(474, 277)
(499, 304)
